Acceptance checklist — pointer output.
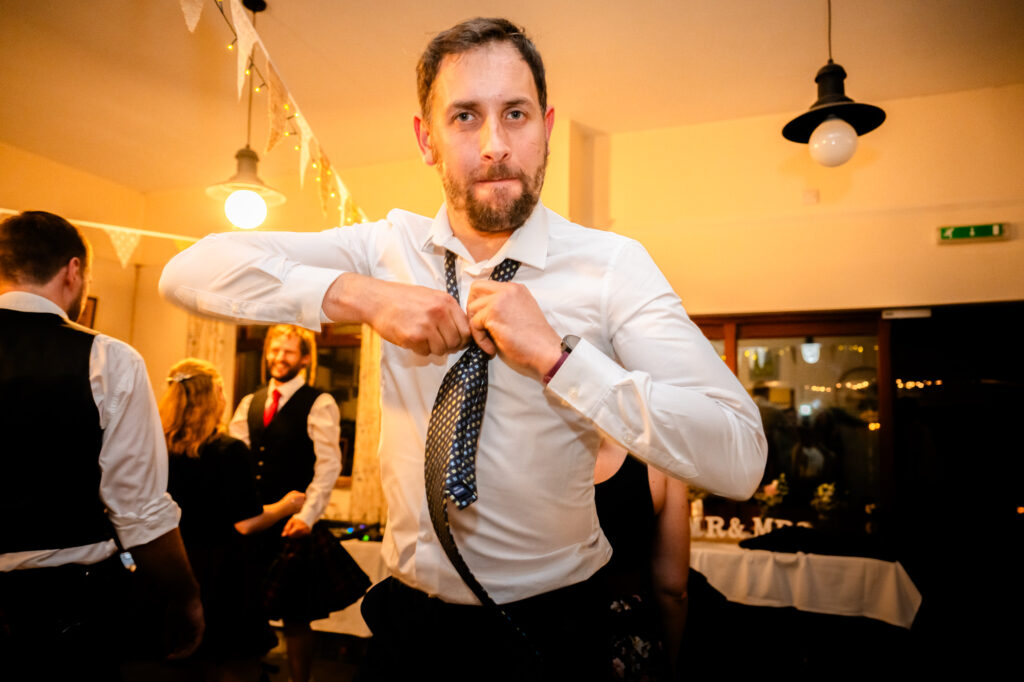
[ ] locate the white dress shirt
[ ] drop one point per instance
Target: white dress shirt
(324, 428)
(133, 455)
(643, 374)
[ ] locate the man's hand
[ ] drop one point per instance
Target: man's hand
(505, 319)
(295, 528)
(184, 627)
(172, 589)
(424, 320)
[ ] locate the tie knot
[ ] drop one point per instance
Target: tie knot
(504, 272)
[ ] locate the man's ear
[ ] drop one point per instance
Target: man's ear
(422, 131)
(72, 272)
(549, 121)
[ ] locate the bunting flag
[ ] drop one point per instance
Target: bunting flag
(310, 149)
(192, 9)
(277, 107)
(181, 244)
(281, 108)
(124, 244)
(326, 178)
(246, 36)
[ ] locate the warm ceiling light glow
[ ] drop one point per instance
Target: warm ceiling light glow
(245, 209)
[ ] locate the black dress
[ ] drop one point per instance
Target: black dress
(214, 491)
(626, 512)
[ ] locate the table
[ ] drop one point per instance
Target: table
(841, 585)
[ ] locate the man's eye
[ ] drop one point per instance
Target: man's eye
(463, 117)
(516, 115)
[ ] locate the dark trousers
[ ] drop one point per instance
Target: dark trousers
(420, 637)
(58, 623)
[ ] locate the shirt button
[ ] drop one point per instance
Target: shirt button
(629, 437)
(573, 392)
(258, 477)
(260, 463)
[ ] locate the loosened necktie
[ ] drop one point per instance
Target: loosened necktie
(452, 434)
(268, 414)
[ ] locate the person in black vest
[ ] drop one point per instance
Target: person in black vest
(83, 469)
(293, 432)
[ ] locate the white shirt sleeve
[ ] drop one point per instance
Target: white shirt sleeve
(133, 456)
(677, 406)
(238, 427)
(232, 276)
(324, 428)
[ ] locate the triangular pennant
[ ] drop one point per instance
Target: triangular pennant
(182, 244)
(309, 150)
(326, 177)
(124, 244)
(246, 36)
(278, 106)
(192, 10)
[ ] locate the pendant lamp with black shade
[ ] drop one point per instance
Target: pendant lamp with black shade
(831, 126)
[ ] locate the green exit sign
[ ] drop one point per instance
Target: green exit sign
(967, 233)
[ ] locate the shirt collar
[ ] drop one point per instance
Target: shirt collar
(289, 387)
(528, 244)
(30, 303)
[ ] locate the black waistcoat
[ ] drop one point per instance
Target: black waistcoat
(49, 451)
(283, 455)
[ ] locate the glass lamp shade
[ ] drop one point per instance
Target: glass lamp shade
(245, 188)
(245, 209)
(810, 352)
(833, 142)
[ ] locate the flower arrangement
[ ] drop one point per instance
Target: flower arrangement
(694, 493)
(772, 494)
(824, 501)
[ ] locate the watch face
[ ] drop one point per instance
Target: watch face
(569, 342)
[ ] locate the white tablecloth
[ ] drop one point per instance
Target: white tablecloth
(841, 585)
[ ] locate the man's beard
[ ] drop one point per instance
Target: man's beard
(507, 215)
(291, 373)
(77, 306)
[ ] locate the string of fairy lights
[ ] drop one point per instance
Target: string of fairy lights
(286, 120)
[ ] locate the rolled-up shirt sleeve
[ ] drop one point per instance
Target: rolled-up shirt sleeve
(324, 428)
(264, 277)
(666, 396)
(133, 456)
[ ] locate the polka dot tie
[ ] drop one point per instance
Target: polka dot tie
(452, 435)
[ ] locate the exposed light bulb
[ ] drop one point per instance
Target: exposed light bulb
(833, 142)
(810, 352)
(245, 209)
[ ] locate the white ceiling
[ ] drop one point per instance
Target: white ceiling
(121, 89)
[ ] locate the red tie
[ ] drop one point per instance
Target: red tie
(268, 414)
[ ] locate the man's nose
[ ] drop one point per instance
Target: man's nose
(494, 141)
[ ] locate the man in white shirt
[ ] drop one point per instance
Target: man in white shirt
(83, 468)
(293, 431)
(589, 339)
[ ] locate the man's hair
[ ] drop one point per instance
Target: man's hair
(467, 36)
(307, 346)
(35, 245)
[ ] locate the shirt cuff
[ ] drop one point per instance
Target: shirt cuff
(585, 378)
(156, 519)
